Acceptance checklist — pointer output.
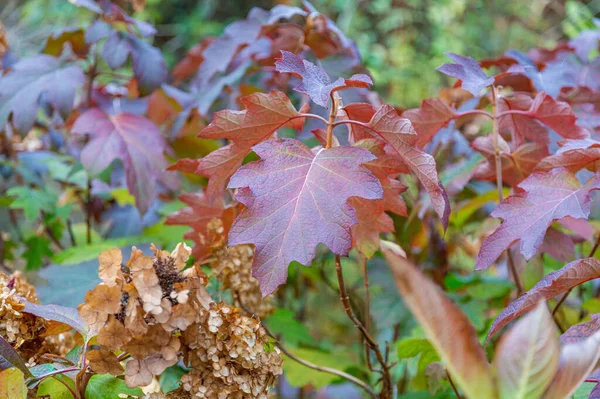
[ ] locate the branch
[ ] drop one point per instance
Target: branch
(368, 338)
(313, 366)
(566, 294)
(498, 159)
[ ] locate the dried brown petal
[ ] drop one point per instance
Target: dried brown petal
(137, 374)
(134, 318)
(103, 361)
(104, 299)
(110, 266)
(92, 317)
(181, 254)
(114, 335)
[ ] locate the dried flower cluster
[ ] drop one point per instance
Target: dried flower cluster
(20, 329)
(230, 356)
(154, 311)
(233, 268)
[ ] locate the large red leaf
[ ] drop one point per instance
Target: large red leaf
(401, 140)
(433, 115)
(264, 114)
(295, 200)
(576, 362)
(315, 81)
(547, 197)
(472, 77)
(516, 166)
(528, 355)
(448, 329)
(30, 80)
(555, 283)
(557, 115)
(133, 140)
(573, 155)
(361, 112)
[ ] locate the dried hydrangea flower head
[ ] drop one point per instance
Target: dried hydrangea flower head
(155, 310)
(20, 329)
(137, 308)
(230, 356)
(233, 268)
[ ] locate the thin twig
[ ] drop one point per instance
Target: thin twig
(66, 385)
(332, 115)
(313, 366)
(452, 385)
(71, 233)
(566, 294)
(88, 212)
(498, 159)
(367, 310)
(387, 388)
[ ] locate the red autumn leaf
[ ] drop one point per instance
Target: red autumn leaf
(529, 123)
(30, 81)
(576, 363)
(401, 140)
(264, 114)
(315, 81)
(448, 329)
(581, 331)
(553, 284)
(218, 166)
(559, 245)
(361, 112)
(433, 115)
(547, 197)
(129, 138)
(516, 166)
(468, 71)
(296, 199)
(573, 155)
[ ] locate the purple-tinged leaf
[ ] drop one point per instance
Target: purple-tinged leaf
(581, 331)
(547, 197)
(97, 31)
(148, 64)
(528, 355)
(399, 135)
(448, 329)
(23, 87)
(62, 314)
(10, 358)
(468, 71)
(433, 115)
(576, 362)
(296, 199)
(573, 155)
(133, 140)
(553, 284)
(283, 11)
(315, 81)
(559, 245)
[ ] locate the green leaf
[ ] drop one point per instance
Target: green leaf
(489, 289)
(294, 333)
(299, 375)
(83, 253)
(54, 388)
(169, 379)
(411, 347)
(42, 369)
(37, 248)
(32, 201)
(12, 384)
(122, 196)
(105, 386)
(583, 392)
(463, 212)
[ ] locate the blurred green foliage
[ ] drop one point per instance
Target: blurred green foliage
(401, 41)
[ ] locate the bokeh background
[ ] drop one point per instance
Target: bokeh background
(401, 41)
